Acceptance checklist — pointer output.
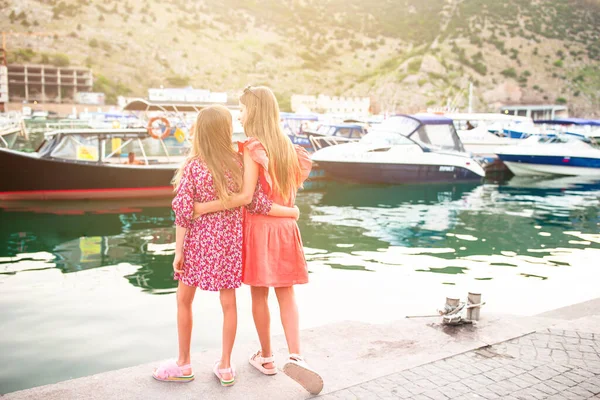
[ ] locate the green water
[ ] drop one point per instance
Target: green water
(87, 287)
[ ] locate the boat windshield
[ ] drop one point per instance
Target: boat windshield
(398, 124)
(385, 139)
(77, 147)
(124, 149)
(441, 136)
(326, 130)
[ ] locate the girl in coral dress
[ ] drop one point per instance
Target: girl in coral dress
(208, 252)
(273, 252)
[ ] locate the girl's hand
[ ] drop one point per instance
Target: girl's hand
(198, 210)
(178, 263)
(297, 214)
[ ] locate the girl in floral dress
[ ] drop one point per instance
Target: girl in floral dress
(273, 251)
(208, 252)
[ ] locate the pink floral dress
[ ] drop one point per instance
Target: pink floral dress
(212, 249)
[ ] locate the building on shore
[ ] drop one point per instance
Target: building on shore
(186, 95)
(331, 104)
(3, 86)
(548, 111)
(47, 84)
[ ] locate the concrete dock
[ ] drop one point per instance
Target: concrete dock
(554, 355)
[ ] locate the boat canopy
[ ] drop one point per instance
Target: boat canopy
(112, 133)
(145, 105)
(345, 125)
(101, 145)
(569, 121)
(431, 119)
(428, 131)
(302, 117)
(342, 130)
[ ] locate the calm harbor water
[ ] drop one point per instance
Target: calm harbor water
(87, 287)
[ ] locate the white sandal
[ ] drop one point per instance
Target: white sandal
(297, 369)
(258, 362)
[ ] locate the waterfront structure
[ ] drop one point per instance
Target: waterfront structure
(3, 85)
(186, 95)
(46, 83)
(547, 111)
(331, 104)
(92, 98)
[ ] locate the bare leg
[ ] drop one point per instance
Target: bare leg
(185, 297)
(262, 321)
(296, 368)
(228, 303)
(289, 317)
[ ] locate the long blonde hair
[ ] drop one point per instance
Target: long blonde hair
(262, 122)
(212, 143)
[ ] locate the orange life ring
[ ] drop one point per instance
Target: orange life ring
(165, 122)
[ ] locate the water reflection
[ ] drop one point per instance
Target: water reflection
(408, 215)
(467, 219)
(86, 235)
(344, 226)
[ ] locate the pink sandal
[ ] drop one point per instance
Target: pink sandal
(169, 371)
(220, 371)
(258, 362)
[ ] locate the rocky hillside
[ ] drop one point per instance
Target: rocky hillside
(405, 54)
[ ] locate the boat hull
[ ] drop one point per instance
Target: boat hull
(388, 173)
(28, 177)
(521, 165)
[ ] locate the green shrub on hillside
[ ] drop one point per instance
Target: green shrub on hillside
(20, 56)
(177, 80)
(110, 88)
(509, 73)
(60, 60)
(414, 66)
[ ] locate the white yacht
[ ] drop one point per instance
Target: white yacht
(402, 149)
(552, 155)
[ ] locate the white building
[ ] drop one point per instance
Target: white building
(331, 104)
(93, 98)
(3, 84)
(186, 95)
(549, 111)
(302, 102)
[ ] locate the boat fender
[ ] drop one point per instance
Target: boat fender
(166, 130)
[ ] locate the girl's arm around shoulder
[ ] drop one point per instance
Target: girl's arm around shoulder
(240, 199)
(261, 204)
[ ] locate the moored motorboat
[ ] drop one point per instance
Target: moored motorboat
(552, 155)
(403, 149)
(80, 164)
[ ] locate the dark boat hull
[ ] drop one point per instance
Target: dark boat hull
(27, 177)
(396, 173)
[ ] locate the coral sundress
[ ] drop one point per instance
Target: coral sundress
(273, 255)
